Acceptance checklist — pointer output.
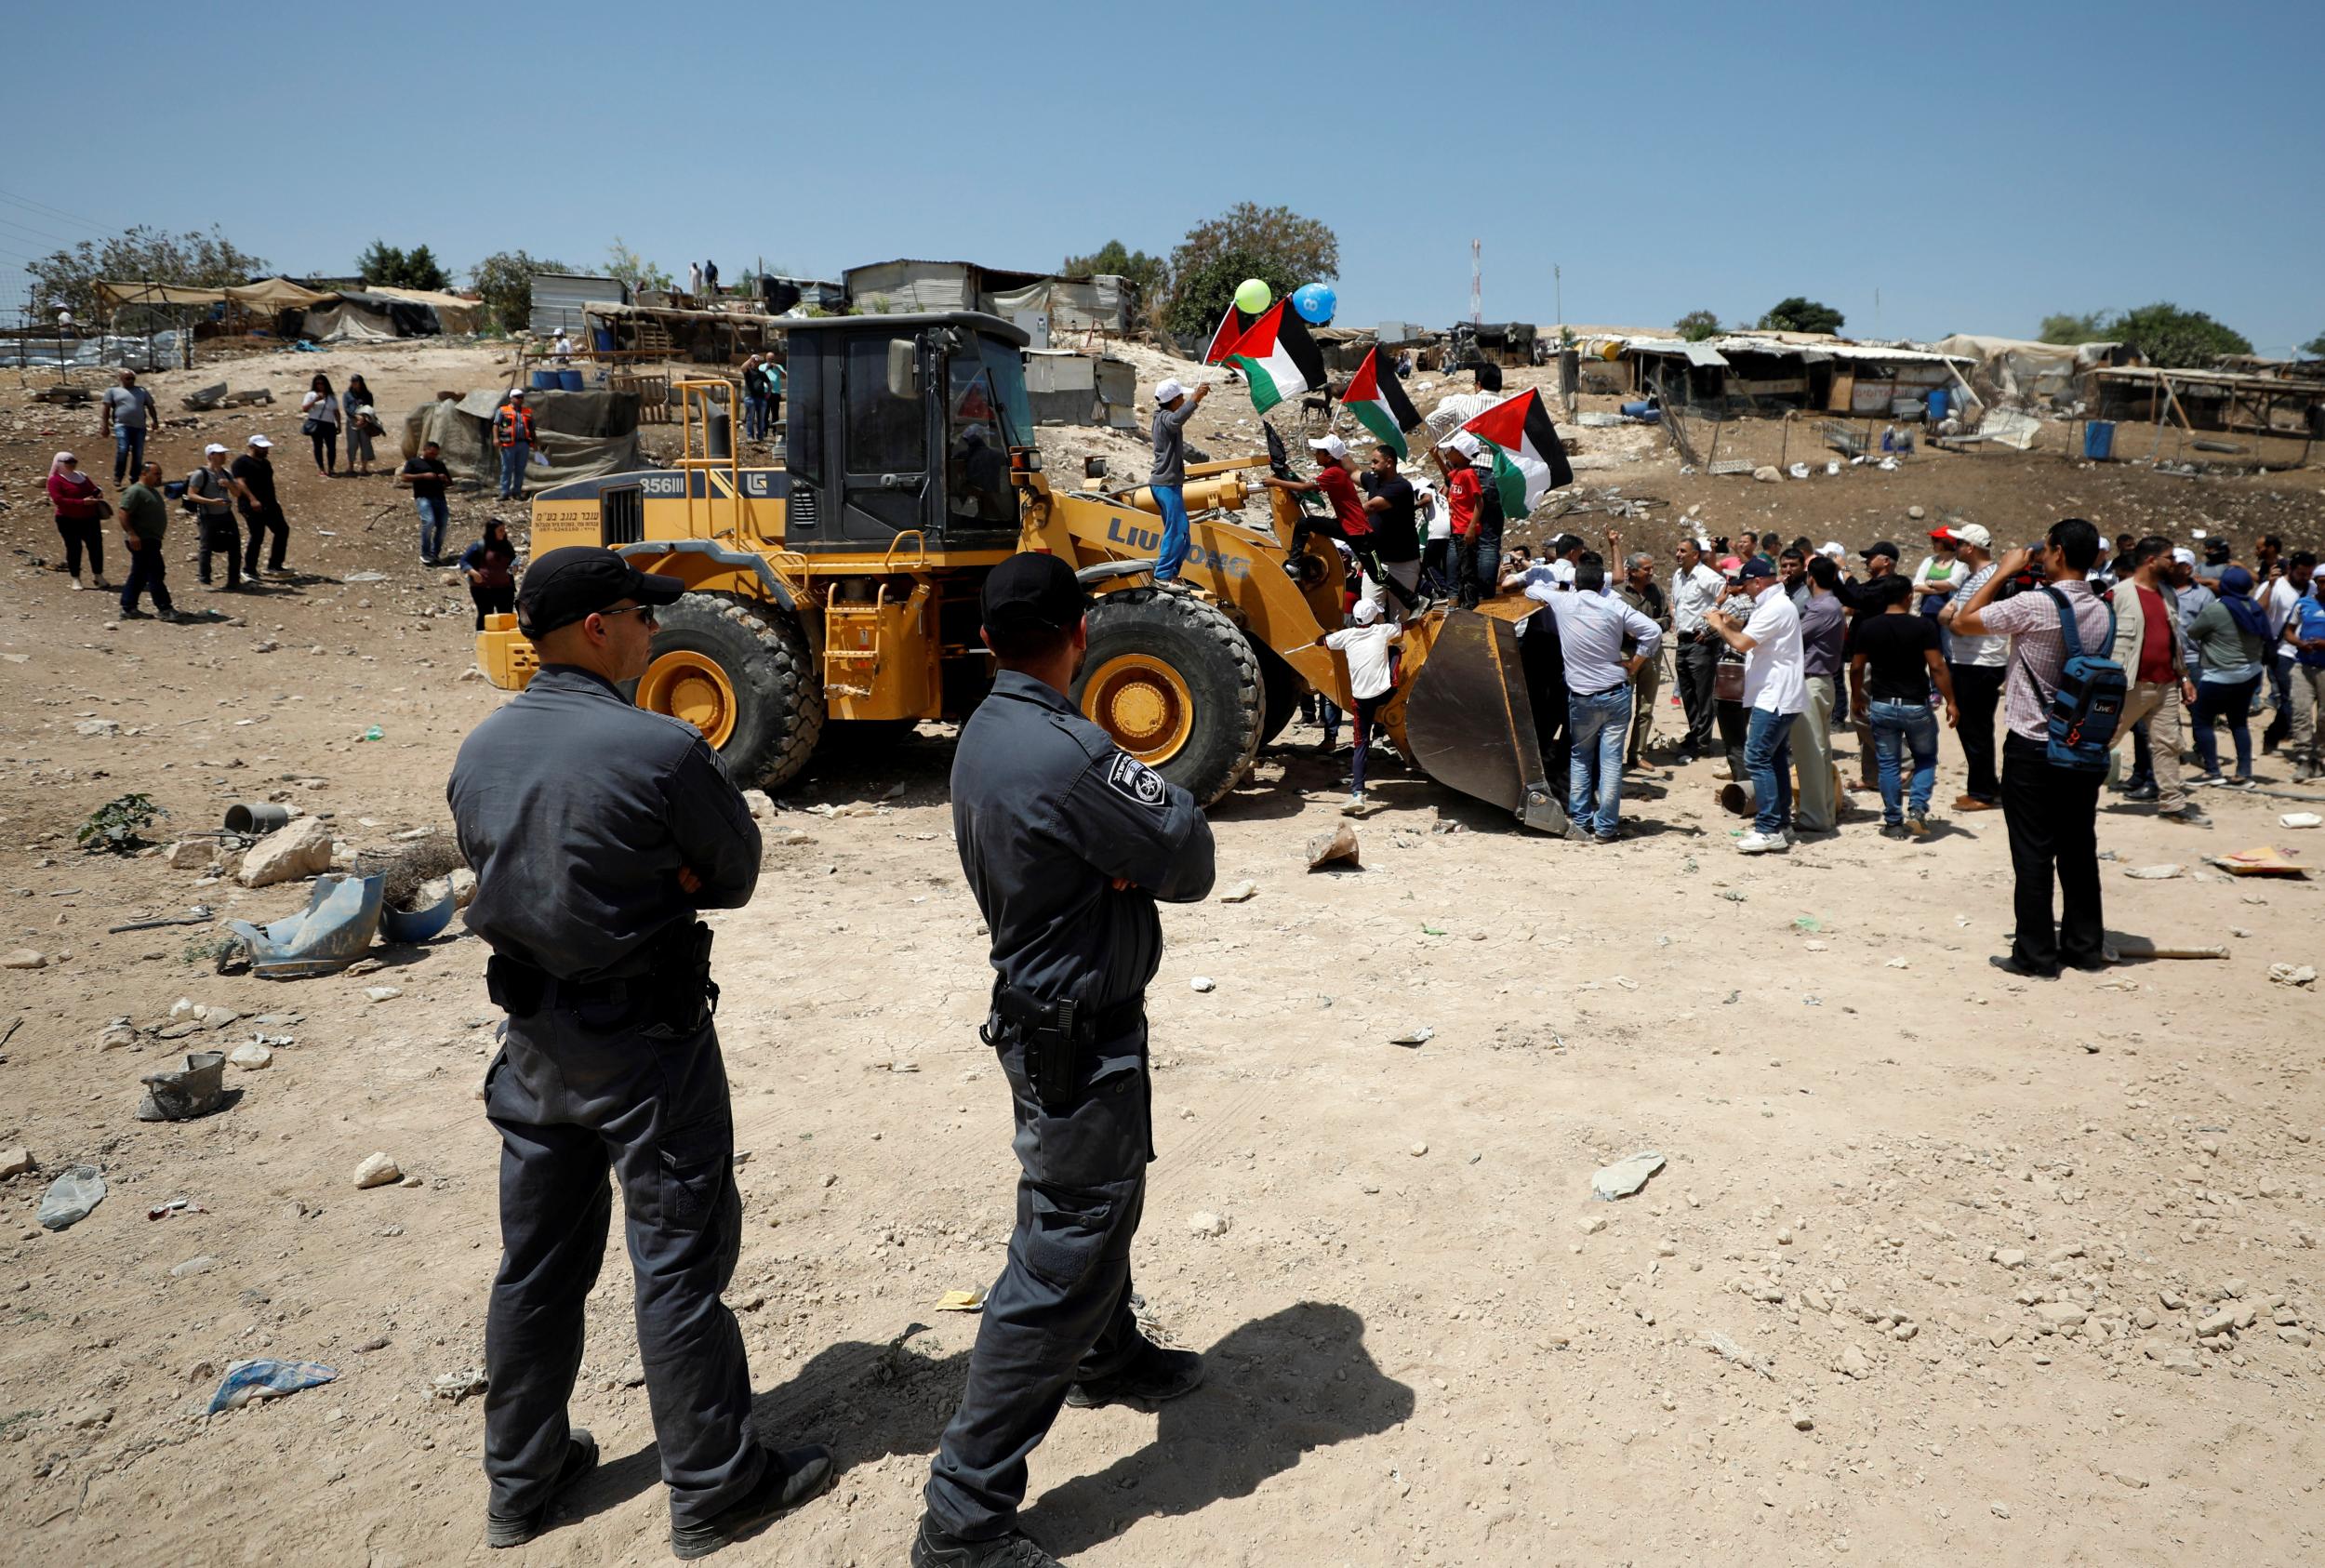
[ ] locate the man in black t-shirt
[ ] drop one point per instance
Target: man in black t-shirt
(427, 475)
(1388, 507)
(261, 513)
(1894, 660)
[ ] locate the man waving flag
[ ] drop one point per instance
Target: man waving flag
(1528, 460)
(1379, 403)
(1278, 358)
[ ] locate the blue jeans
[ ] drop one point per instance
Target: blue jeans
(128, 450)
(1768, 758)
(1172, 498)
(755, 418)
(513, 462)
(435, 515)
(1914, 724)
(1598, 724)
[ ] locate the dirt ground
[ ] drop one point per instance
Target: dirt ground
(1944, 1265)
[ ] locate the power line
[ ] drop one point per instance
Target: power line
(88, 223)
(28, 229)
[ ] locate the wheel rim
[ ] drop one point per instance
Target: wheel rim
(689, 685)
(1143, 704)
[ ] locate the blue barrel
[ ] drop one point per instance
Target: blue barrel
(544, 380)
(1939, 400)
(570, 380)
(2099, 439)
(603, 336)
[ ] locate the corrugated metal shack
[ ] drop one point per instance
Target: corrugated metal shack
(1740, 374)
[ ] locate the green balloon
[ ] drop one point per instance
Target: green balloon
(1253, 296)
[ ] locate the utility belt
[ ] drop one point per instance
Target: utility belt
(1057, 1037)
(674, 988)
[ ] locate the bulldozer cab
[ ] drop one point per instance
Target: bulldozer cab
(902, 424)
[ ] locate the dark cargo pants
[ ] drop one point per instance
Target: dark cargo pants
(572, 1092)
(1060, 1311)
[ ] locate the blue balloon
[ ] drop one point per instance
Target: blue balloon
(1315, 303)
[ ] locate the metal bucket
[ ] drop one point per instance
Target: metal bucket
(255, 818)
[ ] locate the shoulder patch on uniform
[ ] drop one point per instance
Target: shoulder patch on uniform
(1130, 777)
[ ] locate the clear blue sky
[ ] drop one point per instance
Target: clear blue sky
(1979, 164)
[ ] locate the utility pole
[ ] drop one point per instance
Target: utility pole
(1557, 282)
(1477, 284)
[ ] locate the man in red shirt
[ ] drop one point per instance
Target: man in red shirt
(1463, 486)
(2147, 644)
(1348, 521)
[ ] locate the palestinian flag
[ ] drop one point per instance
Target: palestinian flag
(1528, 461)
(1278, 358)
(1223, 340)
(1379, 403)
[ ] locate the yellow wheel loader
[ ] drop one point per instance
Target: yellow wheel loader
(835, 597)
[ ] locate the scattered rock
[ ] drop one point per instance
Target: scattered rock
(1917, 514)
(378, 1170)
(1591, 1225)
(250, 1056)
(1205, 1223)
(632, 1375)
(2060, 1314)
(1239, 894)
(464, 1383)
(201, 1265)
(381, 993)
(2282, 974)
(1767, 474)
(16, 1162)
(1801, 1422)
(1203, 983)
(192, 854)
(1338, 845)
(24, 958)
(2219, 1322)
(2154, 874)
(1625, 1176)
(2010, 1258)
(762, 804)
(298, 849)
(1418, 1150)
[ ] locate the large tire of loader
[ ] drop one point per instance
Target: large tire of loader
(1178, 684)
(742, 674)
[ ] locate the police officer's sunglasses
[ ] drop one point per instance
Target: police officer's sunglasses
(643, 610)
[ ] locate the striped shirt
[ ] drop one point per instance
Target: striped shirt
(2038, 652)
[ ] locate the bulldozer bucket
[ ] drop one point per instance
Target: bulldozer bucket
(1469, 719)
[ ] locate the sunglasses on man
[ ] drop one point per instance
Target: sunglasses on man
(645, 611)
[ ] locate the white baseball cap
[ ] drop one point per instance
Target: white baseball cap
(1462, 442)
(1365, 612)
(1168, 390)
(1331, 446)
(516, 391)
(1972, 534)
(1834, 549)
(213, 450)
(260, 441)
(2184, 555)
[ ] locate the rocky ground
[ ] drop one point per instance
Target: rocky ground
(1942, 1265)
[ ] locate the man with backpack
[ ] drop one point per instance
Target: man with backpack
(2062, 700)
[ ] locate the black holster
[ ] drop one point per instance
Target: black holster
(673, 989)
(1057, 1038)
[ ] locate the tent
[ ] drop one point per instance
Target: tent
(453, 313)
(583, 434)
(2023, 371)
(263, 297)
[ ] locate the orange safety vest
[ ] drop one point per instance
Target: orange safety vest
(513, 426)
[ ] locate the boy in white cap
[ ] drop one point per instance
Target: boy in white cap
(1174, 407)
(1463, 485)
(212, 491)
(512, 432)
(1350, 521)
(1365, 644)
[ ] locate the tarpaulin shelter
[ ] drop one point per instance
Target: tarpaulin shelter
(1072, 304)
(368, 317)
(2020, 371)
(583, 434)
(264, 298)
(453, 313)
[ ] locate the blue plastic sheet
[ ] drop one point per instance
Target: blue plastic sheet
(267, 1380)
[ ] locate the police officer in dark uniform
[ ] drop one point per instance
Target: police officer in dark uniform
(597, 829)
(1067, 842)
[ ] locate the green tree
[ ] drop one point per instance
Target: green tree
(634, 269)
(1801, 314)
(2314, 347)
(140, 255)
(2175, 339)
(415, 268)
(1696, 325)
(1200, 297)
(1150, 275)
(1281, 247)
(505, 281)
(2068, 328)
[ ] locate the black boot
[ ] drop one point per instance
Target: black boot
(1152, 1376)
(791, 1478)
(933, 1548)
(515, 1530)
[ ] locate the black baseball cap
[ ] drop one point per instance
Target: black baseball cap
(2217, 549)
(574, 582)
(1032, 591)
(1758, 567)
(1880, 547)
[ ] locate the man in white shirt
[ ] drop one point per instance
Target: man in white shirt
(2276, 602)
(1695, 588)
(1591, 626)
(1976, 665)
(1775, 689)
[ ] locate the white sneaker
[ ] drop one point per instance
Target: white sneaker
(1760, 843)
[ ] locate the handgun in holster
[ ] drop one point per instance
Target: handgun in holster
(687, 998)
(1051, 1043)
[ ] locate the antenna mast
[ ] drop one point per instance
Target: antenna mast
(1477, 284)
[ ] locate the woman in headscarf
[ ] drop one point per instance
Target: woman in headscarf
(355, 402)
(78, 507)
(490, 566)
(2231, 639)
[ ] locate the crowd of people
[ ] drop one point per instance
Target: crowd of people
(232, 502)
